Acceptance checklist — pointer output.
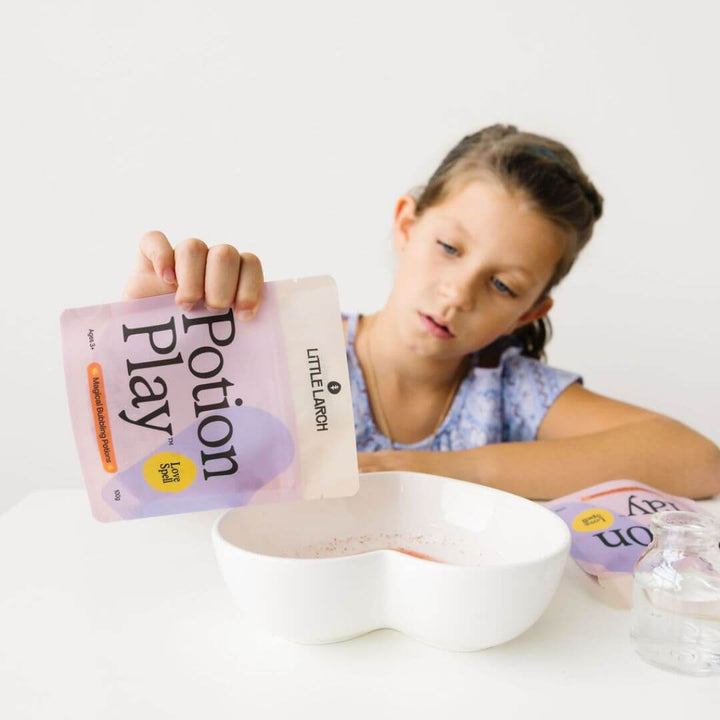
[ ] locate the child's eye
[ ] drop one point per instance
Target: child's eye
(503, 288)
(449, 249)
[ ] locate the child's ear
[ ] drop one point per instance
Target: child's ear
(404, 219)
(537, 311)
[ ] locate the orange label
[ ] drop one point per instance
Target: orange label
(98, 403)
(629, 488)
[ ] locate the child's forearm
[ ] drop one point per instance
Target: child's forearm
(658, 451)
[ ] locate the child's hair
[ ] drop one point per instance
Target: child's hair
(547, 173)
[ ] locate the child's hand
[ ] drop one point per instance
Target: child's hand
(220, 275)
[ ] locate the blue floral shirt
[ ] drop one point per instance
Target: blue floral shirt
(499, 404)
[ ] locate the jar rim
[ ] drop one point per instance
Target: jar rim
(686, 522)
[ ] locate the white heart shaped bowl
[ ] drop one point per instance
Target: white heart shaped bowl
(320, 571)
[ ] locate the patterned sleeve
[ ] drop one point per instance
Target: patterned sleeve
(530, 387)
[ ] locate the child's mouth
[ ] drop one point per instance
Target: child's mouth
(435, 328)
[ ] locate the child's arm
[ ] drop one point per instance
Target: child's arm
(584, 439)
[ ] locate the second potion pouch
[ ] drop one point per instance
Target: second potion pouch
(609, 526)
(176, 411)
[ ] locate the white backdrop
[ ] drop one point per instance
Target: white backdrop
(289, 129)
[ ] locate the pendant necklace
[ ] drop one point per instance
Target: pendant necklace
(385, 429)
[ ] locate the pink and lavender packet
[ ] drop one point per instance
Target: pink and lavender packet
(178, 411)
(608, 524)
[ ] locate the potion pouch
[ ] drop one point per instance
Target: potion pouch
(609, 528)
(176, 411)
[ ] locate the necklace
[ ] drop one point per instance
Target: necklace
(385, 429)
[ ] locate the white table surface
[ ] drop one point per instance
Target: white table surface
(133, 620)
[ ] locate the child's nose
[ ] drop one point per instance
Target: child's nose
(460, 291)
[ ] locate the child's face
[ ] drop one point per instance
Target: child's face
(471, 269)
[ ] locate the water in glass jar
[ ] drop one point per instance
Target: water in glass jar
(678, 632)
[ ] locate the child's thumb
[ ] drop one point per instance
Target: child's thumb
(155, 246)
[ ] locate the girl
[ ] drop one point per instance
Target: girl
(454, 361)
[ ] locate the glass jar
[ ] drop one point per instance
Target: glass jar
(675, 620)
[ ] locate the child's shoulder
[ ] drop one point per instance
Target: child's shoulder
(510, 372)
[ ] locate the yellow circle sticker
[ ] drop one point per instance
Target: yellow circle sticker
(169, 472)
(595, 519)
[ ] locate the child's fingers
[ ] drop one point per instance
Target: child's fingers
(190, 258)
(156, 250)
(249, 289)
(221, 276)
